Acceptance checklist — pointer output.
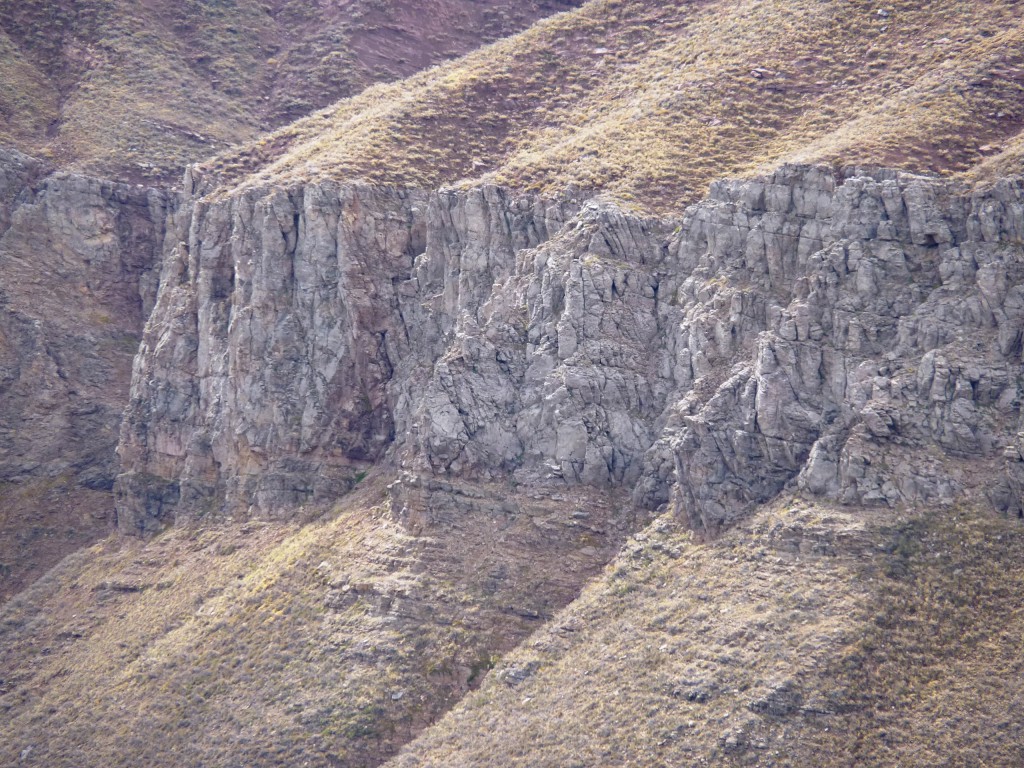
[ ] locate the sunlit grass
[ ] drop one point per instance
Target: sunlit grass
(138, 90)
(810, 636)
(652, 101)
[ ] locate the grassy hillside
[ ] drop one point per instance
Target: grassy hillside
(651, 101)
(445, 629)
(330, 643)
(809, 637)
(137, 90)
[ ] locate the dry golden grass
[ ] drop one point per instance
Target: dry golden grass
(129, 98)
(1004, 159)
(809, 637)
(651, 101)
(137, 90)
(275, 644)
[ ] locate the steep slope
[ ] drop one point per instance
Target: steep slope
(852, 335)
(380, 430)
(135, 91)
(653, 101)
(809, 636)
(79, 262)
(268, 644)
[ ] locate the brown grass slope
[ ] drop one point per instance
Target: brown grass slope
(810, 636)
(652, 100)
(137, 90)
(330, 643)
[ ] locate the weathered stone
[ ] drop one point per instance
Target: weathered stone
(78, 259)
(856, 337)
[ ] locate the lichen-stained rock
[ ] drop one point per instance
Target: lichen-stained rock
(857, 336)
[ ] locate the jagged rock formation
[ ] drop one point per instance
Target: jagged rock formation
(868, 332)
(523, 380)
(77, 281)
(267, 374)
(857, 337)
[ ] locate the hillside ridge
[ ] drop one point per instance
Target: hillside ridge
(643, 388)
(137, 92)
(654, 101)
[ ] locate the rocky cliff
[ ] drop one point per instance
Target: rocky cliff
(816, 376)
(866, 334)
(855, 336)
(78, 278)
(449, 425)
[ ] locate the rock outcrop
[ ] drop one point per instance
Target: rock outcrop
(78, 257)
(867, 335)
(857, 337)
(272, 368)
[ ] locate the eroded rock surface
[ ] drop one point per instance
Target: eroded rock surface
(877, 322)
(856, 337)
(77, 280)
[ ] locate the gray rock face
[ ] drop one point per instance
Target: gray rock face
(79, 258)
(77, 278)
(558, 372)
(272, 370)
(879, 321)
(858, 338)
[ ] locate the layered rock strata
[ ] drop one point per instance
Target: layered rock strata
(857, 337)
